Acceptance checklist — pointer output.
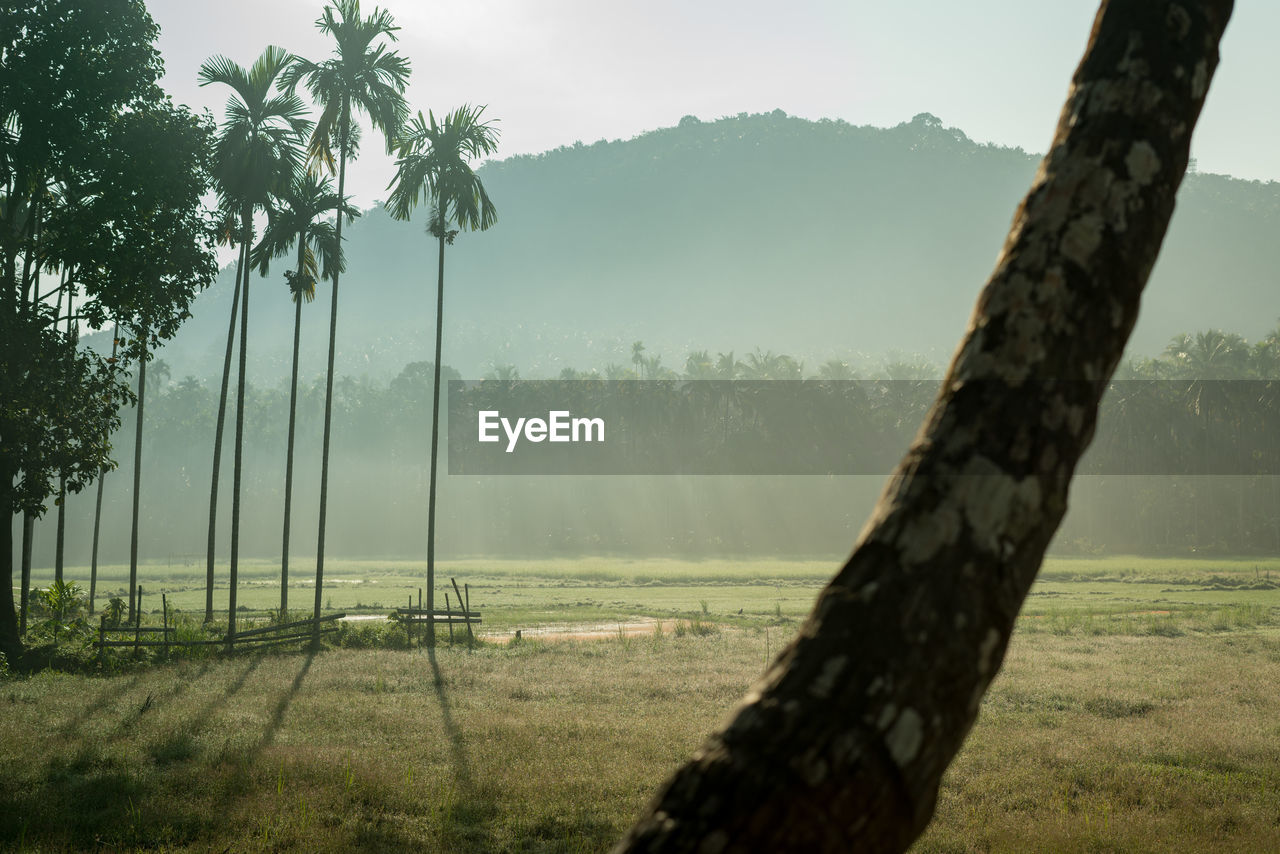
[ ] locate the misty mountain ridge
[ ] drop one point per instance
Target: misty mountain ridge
(819, 239)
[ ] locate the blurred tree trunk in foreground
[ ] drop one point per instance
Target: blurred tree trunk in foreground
(843, 743)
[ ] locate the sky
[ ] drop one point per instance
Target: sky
(553, 72)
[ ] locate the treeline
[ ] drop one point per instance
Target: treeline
(1206, 400)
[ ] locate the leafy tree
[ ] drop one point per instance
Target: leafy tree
(843, 743)
(257, 153)
(100, 179)
(294, 221)
(435, 166)
(363, 77)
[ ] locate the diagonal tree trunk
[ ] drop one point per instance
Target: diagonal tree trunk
(842, 744)
(241, 263)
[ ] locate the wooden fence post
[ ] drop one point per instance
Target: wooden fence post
(137, 621)
(164, 621)
(449, 612)
(408, 623)
(466, 609)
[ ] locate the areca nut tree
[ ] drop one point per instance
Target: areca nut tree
(435, 167)
(294, 223)
(257, 151)
(361, 76)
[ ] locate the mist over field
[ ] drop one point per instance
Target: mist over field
(757, 237)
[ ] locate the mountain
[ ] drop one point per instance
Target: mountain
(818, 239)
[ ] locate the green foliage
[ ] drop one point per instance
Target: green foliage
(371, 634)
(359, 77)
(434, 167)
(115, 612)
(695, 627)
(103, 181)
(63, 607)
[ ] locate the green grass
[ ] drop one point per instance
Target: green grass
(519, 594)
(510, 594)
(1136, 711)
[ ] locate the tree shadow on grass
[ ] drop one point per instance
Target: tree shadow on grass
(98, 795)
(282, 705)
(109, 694)
(240, 781)
(471, 821)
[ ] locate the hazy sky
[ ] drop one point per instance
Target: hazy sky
(556, 71)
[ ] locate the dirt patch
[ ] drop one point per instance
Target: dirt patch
(586, 631)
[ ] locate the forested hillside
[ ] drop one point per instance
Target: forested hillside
(811, 238)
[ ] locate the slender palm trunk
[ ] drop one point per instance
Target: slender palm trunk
(97, 506)
(293, 413)
(238, 464)
(97, 527)
(217, 441)
(10, 631)
(60, 536)
(435, 436)
(328, 383)
(28, 540)
(137, 480)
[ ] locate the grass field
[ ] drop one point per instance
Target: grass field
(528, 593)
(1136, 711)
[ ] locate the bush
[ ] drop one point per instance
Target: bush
(371, 634)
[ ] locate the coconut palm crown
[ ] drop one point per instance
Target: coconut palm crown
(257, 148)
(360, 75)
(297, 212)
(434, 166)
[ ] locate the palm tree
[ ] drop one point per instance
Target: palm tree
(295, 221)
(137, 476)
(698, 366)
(257, 152)
(434, 166)
(367, 78)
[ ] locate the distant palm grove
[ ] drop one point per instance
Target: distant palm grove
(1209, 396)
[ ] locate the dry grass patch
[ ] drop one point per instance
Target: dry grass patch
(1087, 742)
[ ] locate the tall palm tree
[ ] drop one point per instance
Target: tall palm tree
(434, 166)
(294, 221)
(137, 477)
(366, 78)
(257, 152)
